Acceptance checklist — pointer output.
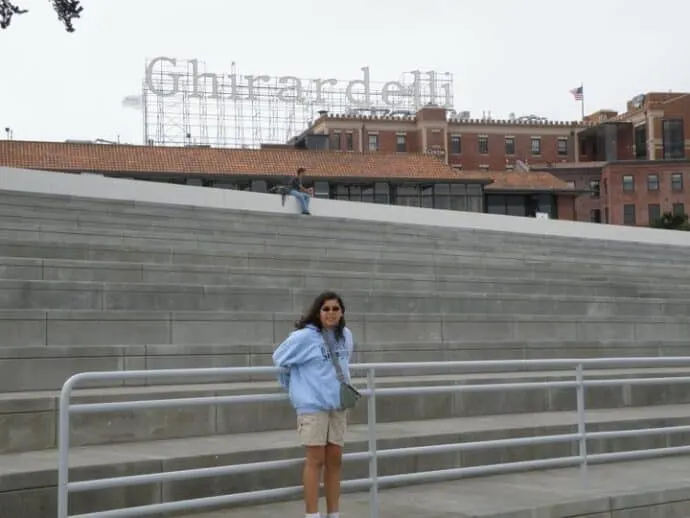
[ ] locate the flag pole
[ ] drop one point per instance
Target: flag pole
(582, 100)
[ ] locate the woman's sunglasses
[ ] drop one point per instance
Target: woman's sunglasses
(328, 309)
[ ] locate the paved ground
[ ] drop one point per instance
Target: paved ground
(659, 488)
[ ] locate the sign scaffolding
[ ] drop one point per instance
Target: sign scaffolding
(185, 104)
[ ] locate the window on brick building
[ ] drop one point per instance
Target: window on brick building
(678, 209)
(654, 210)
(335, 140)
(562, 146)
(510, 146)
(349, 143)
(483, 143)
(373, 142)
(628, 214)
(401, 143)
(677, 181)
(653, 182)
(595, 188)
(484, 168)
(536, 146)
(628, 183)
(456, 144)
(595, 215)
(673, 138)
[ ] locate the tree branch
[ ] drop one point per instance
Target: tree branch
(66, 10)
(7, 10)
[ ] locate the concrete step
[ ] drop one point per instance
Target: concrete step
(24, 203)
(304, 242)
(99, 328)
(54, 364)
(28, 479)
(280, 230)
(28, 420)
(324, 260)
(144, 212)
(650, 488)
(469, 280)
(109, 296)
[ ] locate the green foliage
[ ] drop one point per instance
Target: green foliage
(672, 222)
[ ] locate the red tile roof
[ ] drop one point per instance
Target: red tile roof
(130, 160)
(79, 157)
(527, 181)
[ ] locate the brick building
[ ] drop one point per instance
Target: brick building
(601, 156)
(390, 178)
(466, 144)
(634, 164)
(627, 192)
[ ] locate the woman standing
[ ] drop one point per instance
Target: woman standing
(314, 388)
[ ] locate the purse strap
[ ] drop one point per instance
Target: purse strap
(334, 360)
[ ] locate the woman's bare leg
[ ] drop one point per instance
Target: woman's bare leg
(332, 476)
(311, 477)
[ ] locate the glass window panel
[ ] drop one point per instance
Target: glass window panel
(342, 192)
(458, 188)
(381, 193)
(368, 194)
(474, 189)
(442, 201)
(474, 203)
(515, 206)
(321, 189)
(458, 202)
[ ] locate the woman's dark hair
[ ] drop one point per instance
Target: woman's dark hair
(313, 315)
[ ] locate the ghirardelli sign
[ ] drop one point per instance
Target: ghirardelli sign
(160, 81)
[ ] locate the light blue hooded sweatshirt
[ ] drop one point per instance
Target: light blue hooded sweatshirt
(308, 373)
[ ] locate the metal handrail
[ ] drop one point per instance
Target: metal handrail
(373, 482)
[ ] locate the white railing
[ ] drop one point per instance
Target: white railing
(373, 482)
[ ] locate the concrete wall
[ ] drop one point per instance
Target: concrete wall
(24, 180)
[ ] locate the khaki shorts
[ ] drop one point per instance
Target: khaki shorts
(321, 428)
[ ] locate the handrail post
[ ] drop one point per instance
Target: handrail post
(371, 430)
(581, 423)
(63, 449)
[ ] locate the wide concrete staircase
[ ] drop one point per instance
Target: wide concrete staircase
(89, 284)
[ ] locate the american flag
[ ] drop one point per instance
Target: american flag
(577, 92)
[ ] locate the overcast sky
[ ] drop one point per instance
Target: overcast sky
(505, 56)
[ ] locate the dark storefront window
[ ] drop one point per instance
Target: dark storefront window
(521, 204)
(407, 195)
(427, 193)
(442, 196)
(322, 190)
(368, 194)
(382, 193)
(460, 197)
